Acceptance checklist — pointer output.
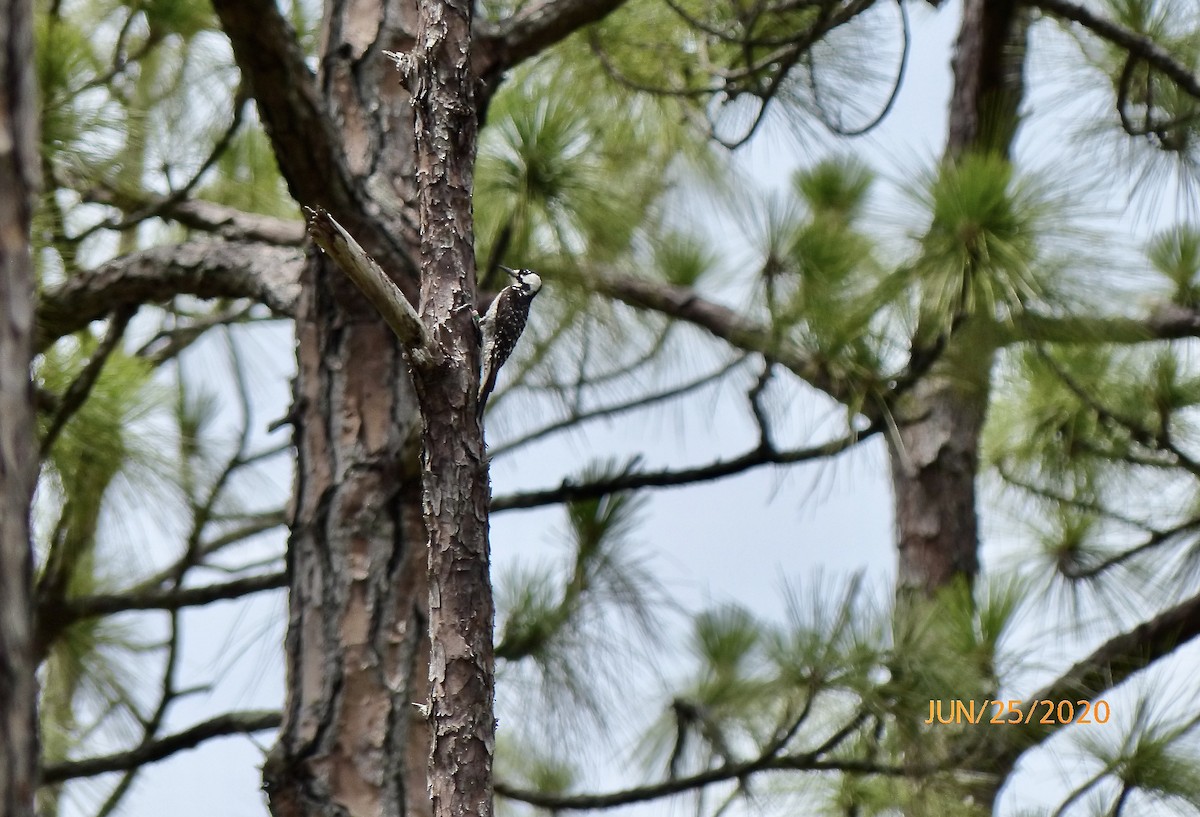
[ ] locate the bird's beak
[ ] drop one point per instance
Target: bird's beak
(511, 272)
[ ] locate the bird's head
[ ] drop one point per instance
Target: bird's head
(526, 280)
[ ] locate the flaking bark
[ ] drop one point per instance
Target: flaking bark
(461, 664)
(351, 741)
(357, 651)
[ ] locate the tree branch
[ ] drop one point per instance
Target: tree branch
(763, 455)
(304, 137)
(809, 761)
(380, 290)
(206, 269)
(170, 342)
(270, 58)
(1131, 41)
(1155, 440)
(234, 224)
(537, 27)
(173, 599)
(208, 216)
(150, 726)
(252, 526)
(1109, 665)
(684, 303)
(1165, 321)
(75, 395)
(137, 208)
(577, 418)
(1124, 654)
(231, 723)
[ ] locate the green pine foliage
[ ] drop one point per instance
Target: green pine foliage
(567, 189)
(826, 287)
(981, 250)
(1175, 253)
(556, 624)
(1156, 123)
(91, 681)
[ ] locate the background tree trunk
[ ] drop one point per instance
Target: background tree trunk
(19, 165)
(935, 456)
(934, 464)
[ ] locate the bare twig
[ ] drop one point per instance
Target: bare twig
(570, 491)
(684, 303)
(238, 225)
(604, 412)
(1155, 537)
(740, 34)
(158, 206)
(1146, 48)
(618, 76)
(259, 523)
(231, 723)
(168, 344)
(1159, 440)
(206, 216)
(77, 393)
(379, 289)
(253, 525)
(173, 599)
(151, 725)
(1085, 505)
(203, 510)
(754, 396)
(539, 25)
(837, 128)
(808, 761)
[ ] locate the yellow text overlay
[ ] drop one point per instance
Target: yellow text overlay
(1014, 712)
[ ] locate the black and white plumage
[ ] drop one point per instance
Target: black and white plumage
(502, 326)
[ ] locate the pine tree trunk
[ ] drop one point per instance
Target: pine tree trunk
(461, 663)
(362, 672)
(935, 457)
(353, 740)
(934, 463)
(18, 464)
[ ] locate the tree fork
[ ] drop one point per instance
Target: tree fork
(442, 346)
(456, 496)
(356, 650)
(351, 741)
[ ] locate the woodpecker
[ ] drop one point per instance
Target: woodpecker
(502, 326)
